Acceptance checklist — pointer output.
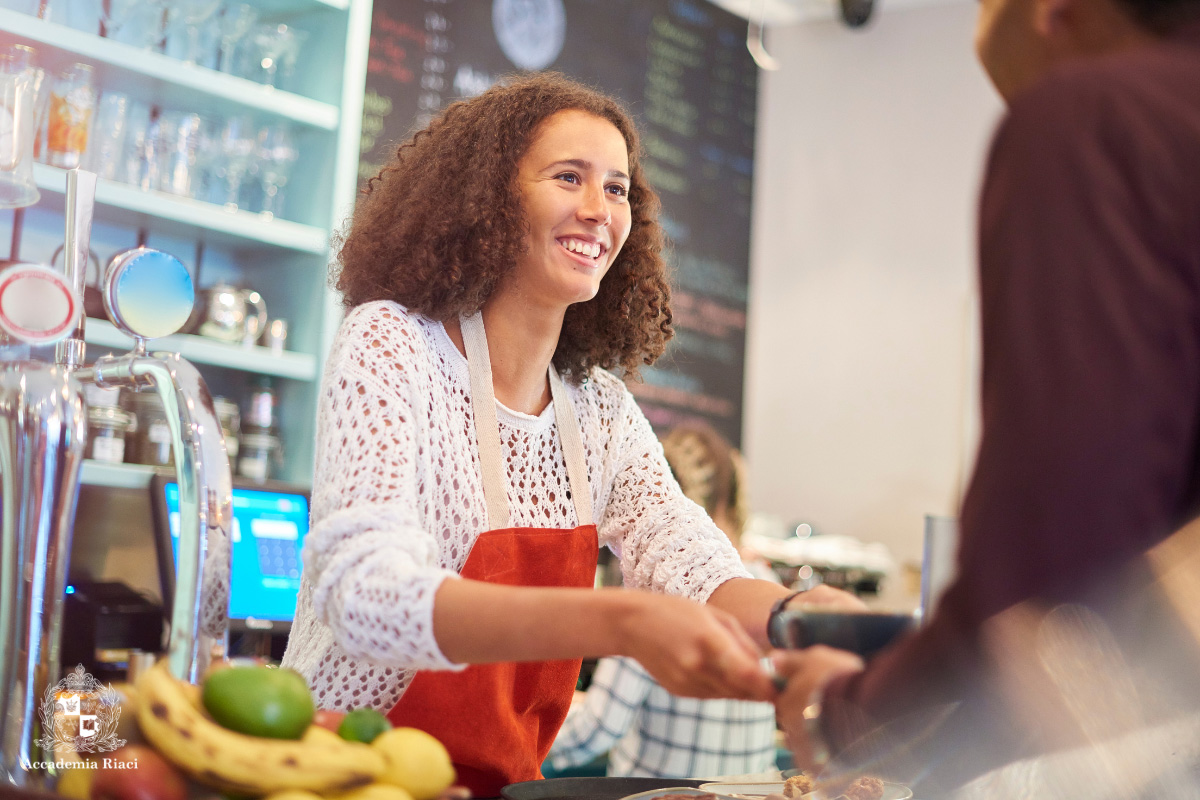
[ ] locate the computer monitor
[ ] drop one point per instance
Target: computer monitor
(270, 521)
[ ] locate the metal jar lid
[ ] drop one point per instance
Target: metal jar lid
(112, 418)
(258, 441)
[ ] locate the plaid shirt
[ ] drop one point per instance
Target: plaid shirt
(653, 733)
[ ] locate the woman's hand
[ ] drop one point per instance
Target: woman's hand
(806, 671)
(692, 649)
(827, 596)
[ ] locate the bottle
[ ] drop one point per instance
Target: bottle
(261, 411)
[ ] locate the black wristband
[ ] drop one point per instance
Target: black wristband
(775, 629)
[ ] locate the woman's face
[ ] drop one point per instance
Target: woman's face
(573, 182)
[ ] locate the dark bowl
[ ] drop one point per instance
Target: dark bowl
(589, 788)
(864, 633)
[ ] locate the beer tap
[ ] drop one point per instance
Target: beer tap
(147, 294)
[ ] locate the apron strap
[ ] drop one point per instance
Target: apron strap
(573, 452)
(487, 431)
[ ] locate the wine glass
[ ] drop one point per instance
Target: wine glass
(191, 16)
(276, 154)
(135, 22)
(239, 139)
(274, 46)
(235, 22)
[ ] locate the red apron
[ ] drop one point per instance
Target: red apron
(499, 720)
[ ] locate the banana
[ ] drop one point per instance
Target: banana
(242, 764)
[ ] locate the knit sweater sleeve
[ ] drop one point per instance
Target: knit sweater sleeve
(665, 542)
(372, 566)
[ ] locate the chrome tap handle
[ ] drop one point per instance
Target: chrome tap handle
(200, 606)
(148, 294)
(80, 200)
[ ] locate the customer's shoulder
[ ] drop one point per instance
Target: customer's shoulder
(1156, 81)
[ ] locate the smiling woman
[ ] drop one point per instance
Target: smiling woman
(463, 226)
(474, 452)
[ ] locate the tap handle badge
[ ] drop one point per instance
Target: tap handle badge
(37, 305)
(148, 293)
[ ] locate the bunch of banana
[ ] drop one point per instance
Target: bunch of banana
(248, 765)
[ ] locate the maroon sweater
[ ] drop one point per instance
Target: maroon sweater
(1090, 281)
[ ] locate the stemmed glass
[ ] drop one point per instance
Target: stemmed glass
(238, 143)
(235, 22)
(277, 46)
(192, 14)
(135, 22)
(276, 154)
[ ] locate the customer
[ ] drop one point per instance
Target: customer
(1090, 283)
(464, 479)
(646, 730)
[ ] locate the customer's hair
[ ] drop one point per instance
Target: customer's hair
(709, 470)
(1161, 16)
(442, 223)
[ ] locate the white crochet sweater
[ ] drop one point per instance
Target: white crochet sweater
(398, 502)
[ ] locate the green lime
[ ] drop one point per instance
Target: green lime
(363, 725)
(260, 701)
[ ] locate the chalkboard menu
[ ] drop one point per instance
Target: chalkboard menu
(682, 69)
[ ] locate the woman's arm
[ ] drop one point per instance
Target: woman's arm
(689, 648)
(749, 601)
(667, 543)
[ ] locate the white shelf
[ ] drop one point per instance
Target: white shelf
(170, 75)
(116, 476)
(202, 350)
(189, 215)
(285, 7)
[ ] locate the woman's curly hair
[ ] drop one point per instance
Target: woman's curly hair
(442, 224)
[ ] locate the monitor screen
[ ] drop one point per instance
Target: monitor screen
(269, 525)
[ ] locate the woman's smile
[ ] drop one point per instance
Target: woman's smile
(589, 253)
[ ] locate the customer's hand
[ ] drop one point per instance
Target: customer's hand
(692, 649)
(806, 671)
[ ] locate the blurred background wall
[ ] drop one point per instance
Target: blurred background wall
(862, 354)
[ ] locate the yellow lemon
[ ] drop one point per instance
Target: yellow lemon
(316, 733)
(416, 762)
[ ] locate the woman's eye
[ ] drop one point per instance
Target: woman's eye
(568, 176)
(619, 190)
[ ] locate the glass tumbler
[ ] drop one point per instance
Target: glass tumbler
(72, 101)
(18, 116)
(106, 144)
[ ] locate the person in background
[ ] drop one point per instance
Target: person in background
(646, 730)
(1089, 248)
(473, 450)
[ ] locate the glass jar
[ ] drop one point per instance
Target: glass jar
(152, 445)
(230, 420)
(260, 453)
(72, 100)
(107, 429)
